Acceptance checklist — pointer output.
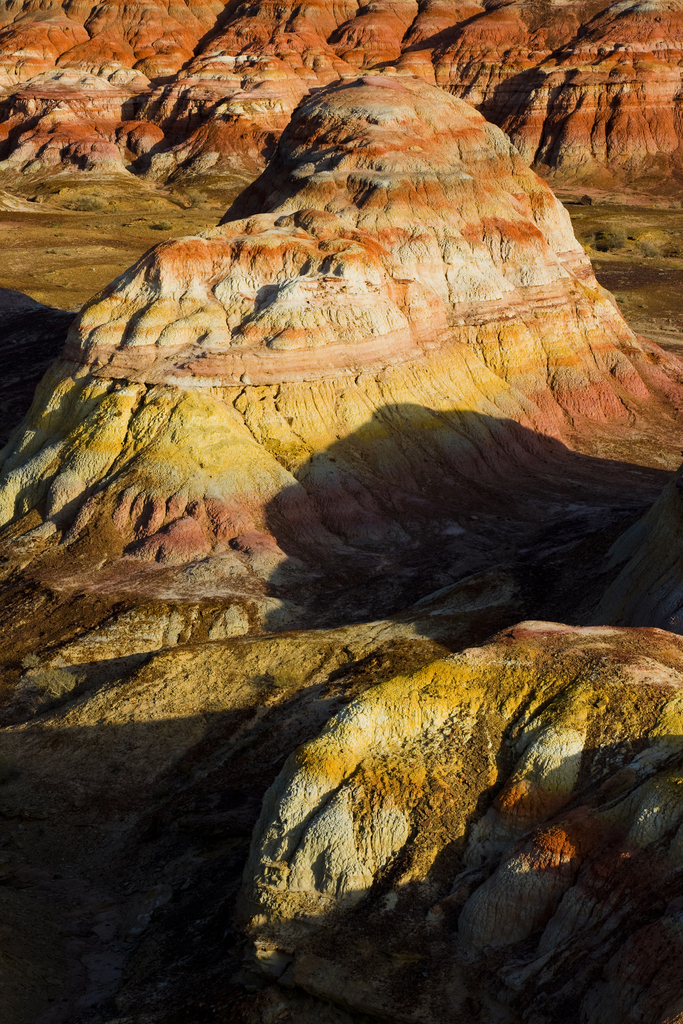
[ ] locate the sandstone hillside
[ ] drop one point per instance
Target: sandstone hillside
(272, 748)
(497, 836)
(588, 90)
(320, 408)
(492, 834)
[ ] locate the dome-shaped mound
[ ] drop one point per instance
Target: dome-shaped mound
(393, 329)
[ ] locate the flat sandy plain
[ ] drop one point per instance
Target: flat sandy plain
(68, 238)
(637, 254)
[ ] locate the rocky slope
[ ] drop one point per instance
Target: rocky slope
(129, 787)
(387, 387)
(497, 836)
(304, 412)
(649, 586)
(484, 836)
(588, 90)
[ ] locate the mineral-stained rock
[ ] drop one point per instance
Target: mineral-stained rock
(130, 783)
(71, 120)
(590, 92)
(487, 838)
(397, 305)
(604, 107)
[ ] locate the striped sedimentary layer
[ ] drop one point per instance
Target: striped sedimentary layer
(590, 92)
(393, 322)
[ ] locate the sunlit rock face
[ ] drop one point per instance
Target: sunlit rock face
(486, 838)
(390, 212)
(604, 107)
(393, 325)
(590, 93)
(73, 120)
(392, 220)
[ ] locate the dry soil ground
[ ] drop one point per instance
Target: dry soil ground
(637, 253)
(74, 236)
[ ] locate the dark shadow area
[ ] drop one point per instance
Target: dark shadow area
(31, 337)
(219, 26)
(171, 854)
(486, 518)
(418, 499)
(647, 884)
(96, 817)
(441, 42)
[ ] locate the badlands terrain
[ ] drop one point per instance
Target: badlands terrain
(588, 90)
(341, 600)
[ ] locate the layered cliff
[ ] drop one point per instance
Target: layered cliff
(389, 384)
(589, 91)
(392, 328)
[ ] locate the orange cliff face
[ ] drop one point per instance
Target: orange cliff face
(393, 328)
(391, 222)
(588, 91)
(604, 108)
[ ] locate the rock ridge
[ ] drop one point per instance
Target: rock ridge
(589, 92)
(490, 826)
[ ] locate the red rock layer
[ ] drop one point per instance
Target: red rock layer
(391, 221)
(396, 302)
(589, 91)
(605, 107)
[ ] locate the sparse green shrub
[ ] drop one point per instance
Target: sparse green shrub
(54, 682)
(608, 239)
(161, 225)
(87, 204)
(648, 248)
(30, 661)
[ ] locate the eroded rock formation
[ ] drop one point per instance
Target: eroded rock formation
(590, 92)
(462, 837)
(393, 326)
(498, 836)
(387, 384)
(648, 588)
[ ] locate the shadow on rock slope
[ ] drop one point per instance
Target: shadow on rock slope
(126, 807)
(419, 498)
(127, 815)
(413, 501)
(32, 336)
(496, 837)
